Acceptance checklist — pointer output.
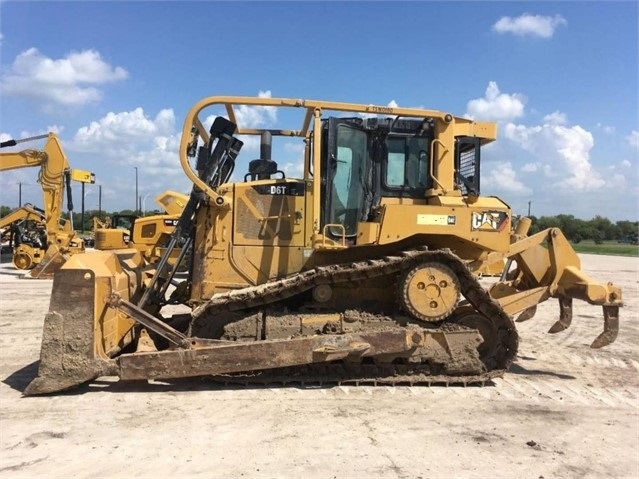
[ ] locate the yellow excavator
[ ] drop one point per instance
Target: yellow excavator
(24, 229)
(44, 257)
(362, 271)
(27, 213)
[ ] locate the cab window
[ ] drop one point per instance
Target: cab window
(407, 164)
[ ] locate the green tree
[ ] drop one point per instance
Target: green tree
(627, 229)
(4, 211)
(604, 226)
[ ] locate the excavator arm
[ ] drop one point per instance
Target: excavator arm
(54, 174)
(27, 212)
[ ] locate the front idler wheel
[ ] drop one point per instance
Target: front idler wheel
(487, 330)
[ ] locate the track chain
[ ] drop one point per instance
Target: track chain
(272, 292)
(366, 375)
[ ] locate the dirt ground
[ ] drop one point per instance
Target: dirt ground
(563, 411)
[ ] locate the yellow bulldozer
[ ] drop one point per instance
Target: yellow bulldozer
(364, 270)
(43, 257)
(147, 234)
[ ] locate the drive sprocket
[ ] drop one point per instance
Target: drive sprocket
(429, 291)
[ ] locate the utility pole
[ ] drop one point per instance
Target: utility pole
(136, 190)
(19, 194)
(100, 202)
(82, 215)
(529, 208)
(83, 177)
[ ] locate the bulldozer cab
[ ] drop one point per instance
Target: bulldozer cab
(365, 160)
(368, 162)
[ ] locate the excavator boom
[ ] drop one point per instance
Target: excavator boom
(54, 174)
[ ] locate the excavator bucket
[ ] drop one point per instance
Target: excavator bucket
(54, 257)
(46, 268)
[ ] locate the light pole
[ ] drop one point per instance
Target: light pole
(136, 190)
(144, 204)
(82, 215)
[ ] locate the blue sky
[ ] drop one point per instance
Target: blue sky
(115, 79)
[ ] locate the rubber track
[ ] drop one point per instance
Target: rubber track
(471, 289)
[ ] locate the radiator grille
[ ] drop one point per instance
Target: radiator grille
(276, 208)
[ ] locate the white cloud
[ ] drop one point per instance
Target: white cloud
(68, 81)
(555, 118)
(249, 116)
(606, 128)
(496, 106)
(121, 130)
(564, 153)
(501, 176)
(294, 159)
(132, 138)
(633, 139)
(113, 145)
(531, 167)
(529, 25)
(574, 145)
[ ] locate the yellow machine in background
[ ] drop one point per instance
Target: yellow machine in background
(24, 229)
(364, 270)
(147, 234)
(26, 213)
(55, 172)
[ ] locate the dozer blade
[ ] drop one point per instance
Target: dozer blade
(67, 353)
(81, 334)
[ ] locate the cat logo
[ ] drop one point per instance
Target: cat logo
(489, 220)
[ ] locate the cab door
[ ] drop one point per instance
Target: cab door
(346, 177)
